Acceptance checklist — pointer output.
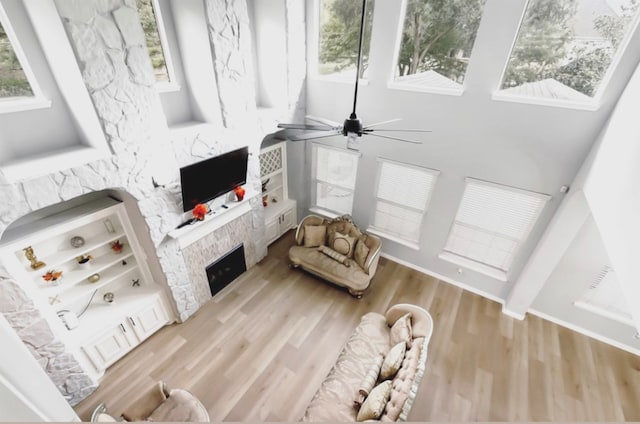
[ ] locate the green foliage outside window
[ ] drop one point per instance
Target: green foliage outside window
(152, 38)
(13, 81)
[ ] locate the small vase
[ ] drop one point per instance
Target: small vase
(84, 265)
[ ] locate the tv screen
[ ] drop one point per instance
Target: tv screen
(213, 177)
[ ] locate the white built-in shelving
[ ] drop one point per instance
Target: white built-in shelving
(76, 305)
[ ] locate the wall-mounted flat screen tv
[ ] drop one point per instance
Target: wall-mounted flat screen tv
(213, 177)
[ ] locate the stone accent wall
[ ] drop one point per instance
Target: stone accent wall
(216, 244)
(109, 45)
(230, 37)
(35, 332)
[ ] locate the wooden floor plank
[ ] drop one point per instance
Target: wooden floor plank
(261, 347)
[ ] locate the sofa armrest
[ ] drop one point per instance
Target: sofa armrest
(375, 246)
(421, 321)
(307, 220)
(142, 407)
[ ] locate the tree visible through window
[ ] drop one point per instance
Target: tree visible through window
(437, 39)
(13, 81)
(152, 36)
(339, 35)
(565, 47)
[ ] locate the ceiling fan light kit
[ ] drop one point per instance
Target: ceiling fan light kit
(352, 127)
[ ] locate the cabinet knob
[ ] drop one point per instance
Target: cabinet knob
(122, 328)
(132, 321)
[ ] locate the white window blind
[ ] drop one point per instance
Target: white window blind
(402, 199)
(605, 297)
(492, 222)
(334, 178)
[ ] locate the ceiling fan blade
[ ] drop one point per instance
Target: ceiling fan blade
(367, 130)
(394, 138)
(305, 127)
(314, 135)
(323, 121)
(383, 122)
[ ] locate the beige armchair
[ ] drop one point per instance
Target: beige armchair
(336, 250)
(158, 403)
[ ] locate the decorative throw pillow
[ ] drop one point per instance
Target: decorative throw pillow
(401, 331)
(335, 255)
(393, 361)
(344, 244)
(375, 403)
(314, 235)
(361, 252)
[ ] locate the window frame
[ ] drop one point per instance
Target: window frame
(596, 100)
(313, 50)
(19, 104)
(413, 244)
(173, 84)
(393, 84)
(314, 181)
(481, 267)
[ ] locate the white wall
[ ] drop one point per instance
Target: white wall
(538, 148)
(582, 262)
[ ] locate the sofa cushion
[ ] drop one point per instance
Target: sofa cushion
(180, 406)
(393, 361)
(332, 402)
(375, 403)
(335, 255)
(361, 251)
(369, 381)
(401, 331)
(314, 235)
(318, 263)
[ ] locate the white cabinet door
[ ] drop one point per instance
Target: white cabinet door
(288, 220)
(110, 346)
(148, 319)
(272, 230)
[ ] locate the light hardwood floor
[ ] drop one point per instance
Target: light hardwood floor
(259, 350)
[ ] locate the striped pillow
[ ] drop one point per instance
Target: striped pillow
(335, 255)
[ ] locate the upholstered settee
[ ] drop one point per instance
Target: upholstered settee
(336, 399)
(336, 250)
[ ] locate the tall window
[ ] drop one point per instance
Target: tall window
(492, 222)
(339, 27)
(13, 79)
(402, 199)
(151, 21)
(565, 47)
(334, 178)
(437, 39)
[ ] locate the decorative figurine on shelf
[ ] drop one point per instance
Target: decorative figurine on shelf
(200, 211)
(93, 278)
(117, 247)
(108, 297)
(52, 276)
(239, 191)
(35, 263)
(135, 282)
(76, 241)
(84, 260)
(264, 184)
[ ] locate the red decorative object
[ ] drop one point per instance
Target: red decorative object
(116, 246)
(200, 211)
(52, 275)
(239, 191)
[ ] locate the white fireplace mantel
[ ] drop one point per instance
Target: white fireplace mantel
(217, 217)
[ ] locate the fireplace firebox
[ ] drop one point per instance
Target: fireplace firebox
(226, 269)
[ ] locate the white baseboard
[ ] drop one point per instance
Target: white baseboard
(584, 331)
(512, 314)
(445, 279)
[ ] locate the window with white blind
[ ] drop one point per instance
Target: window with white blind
(402, 198)
(491, 224)
(334, 178)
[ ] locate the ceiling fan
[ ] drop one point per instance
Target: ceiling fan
(352, 128)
